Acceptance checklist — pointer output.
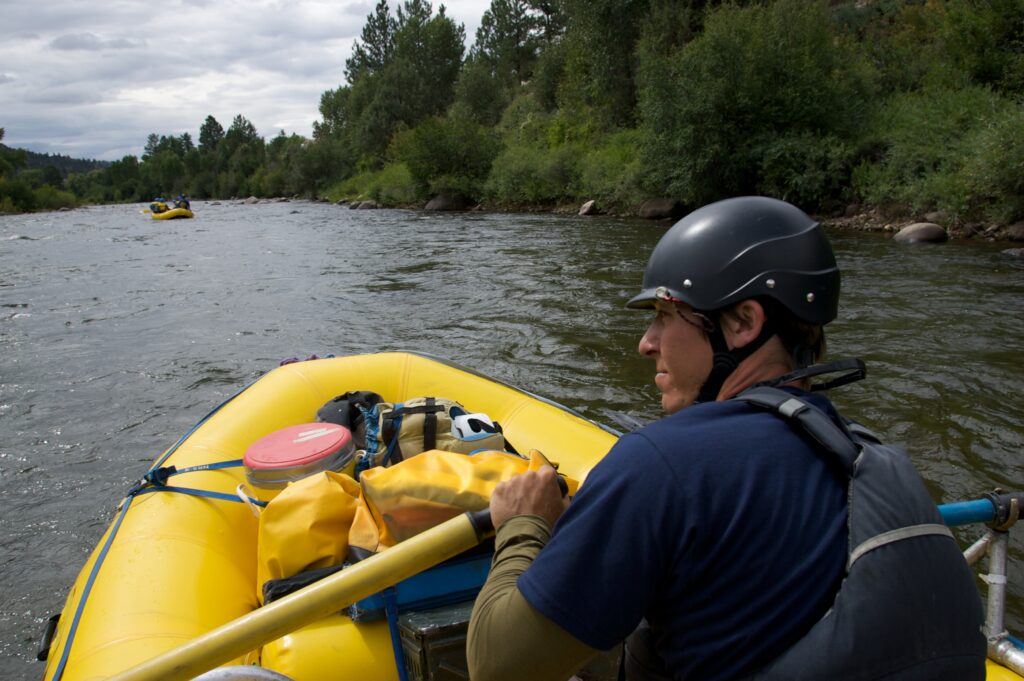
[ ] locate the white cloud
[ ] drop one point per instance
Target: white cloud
(91, 41)
(93, 80)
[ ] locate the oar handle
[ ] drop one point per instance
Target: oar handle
(484, 525)
(481, 522)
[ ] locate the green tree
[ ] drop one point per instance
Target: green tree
(762, 88)
(210, 134)
(373, 52)
(447, 155)
(334, 113)
(10, 159)
(599, 76)
(125, 179)
(41, 177)
(480, 92)
(985, 40)
(240, 156)
(283, 165)
(415, 82)
(152, 146)
(427, 58)
(509, 40)
(241, 132)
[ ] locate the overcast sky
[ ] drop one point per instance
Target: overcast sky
(93, 79)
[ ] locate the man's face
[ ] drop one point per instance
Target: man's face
(681, 352)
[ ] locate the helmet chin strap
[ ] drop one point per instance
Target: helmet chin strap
(725, 360)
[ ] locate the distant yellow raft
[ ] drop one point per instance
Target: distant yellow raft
(173, 213)
(174, 566)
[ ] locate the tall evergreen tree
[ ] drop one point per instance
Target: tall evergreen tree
(10, 159)
(210, 134)
(373, 51)
(509, 39)
(408, 76)
(601, 37)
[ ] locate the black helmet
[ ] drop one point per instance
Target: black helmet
(741, 248)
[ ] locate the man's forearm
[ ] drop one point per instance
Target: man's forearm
(508, 638)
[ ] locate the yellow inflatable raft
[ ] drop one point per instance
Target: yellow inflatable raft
(173, 566)
(172, 213)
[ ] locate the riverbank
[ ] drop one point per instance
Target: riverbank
(876, 219)
(856, 217)
(888, 220)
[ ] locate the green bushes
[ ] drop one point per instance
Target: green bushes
(392, 185)
(524, 175)
(804, 168)
(51, 198)
(612, 172)
(18, 196)
(992, 176)
(955, 150)
(760, 90)
(449, 155)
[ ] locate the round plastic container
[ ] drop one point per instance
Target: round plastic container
(298, 451)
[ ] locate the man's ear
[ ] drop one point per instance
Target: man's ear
(743, 322)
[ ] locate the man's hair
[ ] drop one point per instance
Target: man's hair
(804, 341)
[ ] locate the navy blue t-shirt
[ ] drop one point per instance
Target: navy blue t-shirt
(720, 525)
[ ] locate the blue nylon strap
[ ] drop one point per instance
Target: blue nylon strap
(85, 591)
(394, 441)
(391, 611)
(198, 493)
(69, 639)
(158, 476)
(233, 463)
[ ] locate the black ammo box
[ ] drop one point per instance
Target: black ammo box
(434, 642)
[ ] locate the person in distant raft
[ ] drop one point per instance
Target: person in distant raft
(751, 533)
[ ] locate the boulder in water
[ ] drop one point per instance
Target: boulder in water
(921, 232)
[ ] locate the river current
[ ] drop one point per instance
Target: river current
(119, 332)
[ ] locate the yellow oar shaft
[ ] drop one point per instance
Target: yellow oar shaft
(311, 603)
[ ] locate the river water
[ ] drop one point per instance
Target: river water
(119, 332)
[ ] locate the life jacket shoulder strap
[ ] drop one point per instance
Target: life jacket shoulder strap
(809, 419)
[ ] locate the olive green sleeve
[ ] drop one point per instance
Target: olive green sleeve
(508, 638)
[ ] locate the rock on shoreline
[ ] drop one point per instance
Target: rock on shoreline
(875, 220)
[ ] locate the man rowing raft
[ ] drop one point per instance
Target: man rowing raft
(752, 533)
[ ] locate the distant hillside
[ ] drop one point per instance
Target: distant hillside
(64, 164)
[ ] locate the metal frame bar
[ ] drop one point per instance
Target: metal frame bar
(1000, 512)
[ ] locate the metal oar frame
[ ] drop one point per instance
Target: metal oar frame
(999, 511)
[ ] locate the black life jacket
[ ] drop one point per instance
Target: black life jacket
(907, 607)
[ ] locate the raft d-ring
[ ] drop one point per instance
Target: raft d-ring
(247, 500)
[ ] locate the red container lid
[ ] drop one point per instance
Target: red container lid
(297, 446)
